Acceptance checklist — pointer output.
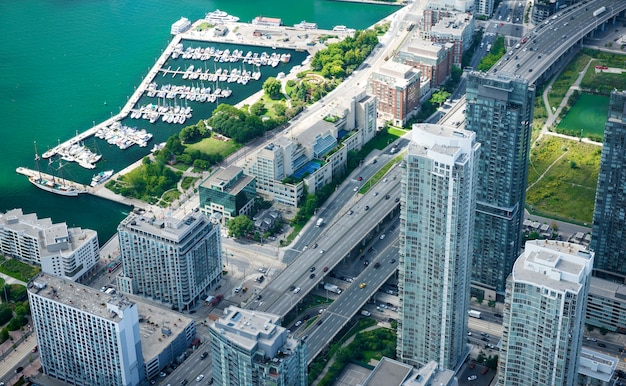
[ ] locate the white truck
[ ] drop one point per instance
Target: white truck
(332, 288)
(320, 222)
(599, 11)
(474, 314)
(366, 313)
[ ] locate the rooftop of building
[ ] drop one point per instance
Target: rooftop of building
(396, 74)
(388, 372)
(426, 48)
(558, 265)
(596, 365)
(440, 139)
(157, 326)
(607, 289)
(452, 25)
(170, 228)
(230, 180)
(249, 329)
(47, 233)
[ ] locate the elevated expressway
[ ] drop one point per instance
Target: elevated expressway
(555, 40)
(344, 236)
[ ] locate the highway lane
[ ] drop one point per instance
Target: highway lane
(339, 313)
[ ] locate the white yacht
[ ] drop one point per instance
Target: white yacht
(219, 17)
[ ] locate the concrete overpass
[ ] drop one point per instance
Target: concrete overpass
(544, 50)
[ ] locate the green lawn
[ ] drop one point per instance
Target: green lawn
(589, 113)
(567, 191)
(211, 145)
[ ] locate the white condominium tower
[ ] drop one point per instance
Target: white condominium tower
(85, 337)
(437, 220)
(544, 314)
(171, 261)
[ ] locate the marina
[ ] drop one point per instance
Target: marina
(205, 73)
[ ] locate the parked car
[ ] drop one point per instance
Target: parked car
(471, 377)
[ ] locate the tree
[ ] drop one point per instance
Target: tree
(440, 97)
(272, 87)
(240, 226)
(257, 108)
(554, 226)
(280, 109)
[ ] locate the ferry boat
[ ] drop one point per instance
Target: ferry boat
(305, 25)
(180, 26)
(219, 17)
(101, 177)
(343, 28)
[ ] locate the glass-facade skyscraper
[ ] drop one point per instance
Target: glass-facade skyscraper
(499, 110)
(436, 227)
(608, 236)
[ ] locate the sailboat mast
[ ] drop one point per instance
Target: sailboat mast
(37, 159)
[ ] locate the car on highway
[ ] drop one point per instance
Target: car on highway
(393, 261)
(356, 189)
(311, 276)
(397, 199)
(484, 338)
(312, 269)
(199, 377)
(322, 251)
(600, 344)
(387, 196)
(367, 207)
(366, 263)
(497, 315)
(319, 322)
(377, 265)
(293, 287)
(362, 285)
(382, 236)
(296, 290)
(204, 355)
(184, 382)
(359, 178)
(350, 211)
(325, 269)
(375, 194)
(298, 323)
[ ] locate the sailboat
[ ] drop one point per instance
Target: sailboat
(52, 185)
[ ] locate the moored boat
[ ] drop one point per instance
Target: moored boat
(101, 177)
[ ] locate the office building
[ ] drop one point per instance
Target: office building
(397, 90)
(251, 348)
(436, 226)
(608, 234)
(596, 368)
(71, 253)
(606, 305)
(544, 314)
(88, 337)
(171, 261)
(499, 109)
(228, 192)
